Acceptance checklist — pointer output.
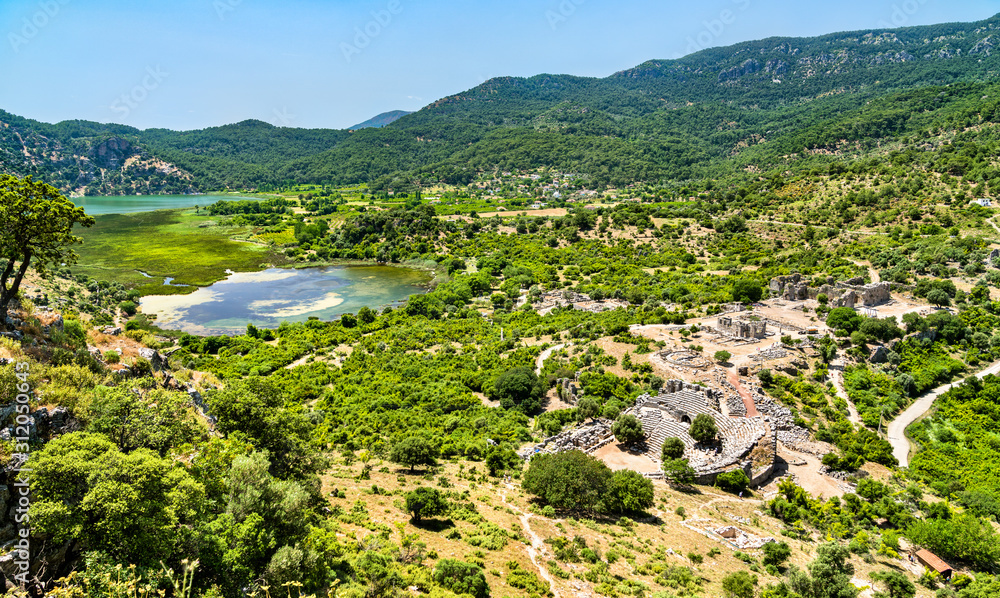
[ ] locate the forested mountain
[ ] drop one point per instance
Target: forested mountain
(710, 114)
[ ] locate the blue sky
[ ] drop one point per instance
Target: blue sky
(188, 64)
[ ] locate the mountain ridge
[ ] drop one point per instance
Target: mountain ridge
(659, 120)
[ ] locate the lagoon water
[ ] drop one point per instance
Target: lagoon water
(272, 296)
(126, 204)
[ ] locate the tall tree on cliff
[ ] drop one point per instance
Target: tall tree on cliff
(36, 229)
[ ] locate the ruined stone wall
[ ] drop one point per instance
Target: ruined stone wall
(741, 328)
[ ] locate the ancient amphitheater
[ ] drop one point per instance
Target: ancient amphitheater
(669, 414)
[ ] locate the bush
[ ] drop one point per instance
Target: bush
(739, 585)
(703, 428)
(722, 356)
(112, 356)
(461, 577)
(673, 448)
(733, 481)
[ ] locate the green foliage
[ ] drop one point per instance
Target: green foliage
(897, 585)
(628, 492)
(413, 451)
(519, 388)
(673, 448)
(703, 428)
(575, 480)
(678, 471)
(739, 585)
(776, 553)
(734, 481)
(130, 506)
(964, 538)
(425, 502)
(38, 231)
(461, 577)
(628, 429)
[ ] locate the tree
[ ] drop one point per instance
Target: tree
(586, 409)
(678, 471)
(519, 388)
(628, 429)
(413, 451)
(703, 428)
(827, 348)
(897, 585)
(776, 553)
(734, 481)
(36, 225)
(501, 459)
(462, 578)
(747, 291)
(843, 318)
(629, 492)
(722, 356)
(673, 448)
(425, 502)
(830, 577)
(568, 480)
(938, 297)
(739, 585)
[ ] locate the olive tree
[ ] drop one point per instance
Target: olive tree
(36, 229)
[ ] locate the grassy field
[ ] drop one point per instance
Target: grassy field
(193, 249)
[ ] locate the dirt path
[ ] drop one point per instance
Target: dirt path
(537, 545)
(994, 225)
(808, 476)
(838, 383)
(734, 380)
(540, 362)
(897, 428)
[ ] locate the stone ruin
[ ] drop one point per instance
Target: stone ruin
(842, 294)
(741, 539)
(567, 390)
(587, 438)
(993, 259)
(742, 328)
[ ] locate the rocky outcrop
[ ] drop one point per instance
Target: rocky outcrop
(749, 67)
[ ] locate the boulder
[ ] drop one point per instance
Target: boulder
(153, 357)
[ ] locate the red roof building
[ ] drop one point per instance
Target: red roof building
(932, 561)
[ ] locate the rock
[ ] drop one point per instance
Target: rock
(58, 324)
(42, 420)
(58, 419)
(112, 330)
(153, 357)
(879, 355)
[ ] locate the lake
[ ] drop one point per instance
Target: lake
(126, 204)
(272, 296)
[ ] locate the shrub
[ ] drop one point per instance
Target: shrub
(733, 481)
(673, 448)
(703, 428)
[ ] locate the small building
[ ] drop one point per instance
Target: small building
(932, 561)
(986, 203)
